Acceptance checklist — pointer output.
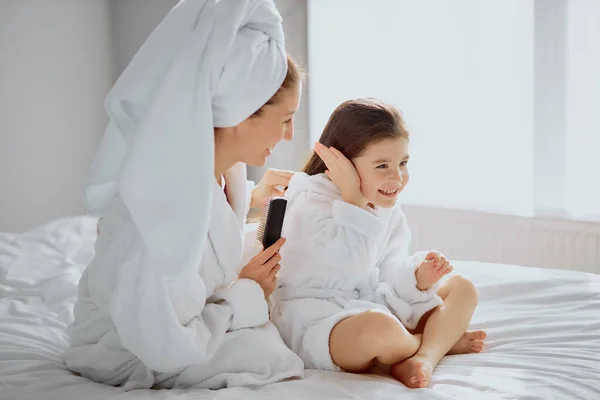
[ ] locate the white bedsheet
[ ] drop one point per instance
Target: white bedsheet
(543, 325)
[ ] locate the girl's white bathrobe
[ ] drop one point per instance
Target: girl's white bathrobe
(223, 328)
(340, 260)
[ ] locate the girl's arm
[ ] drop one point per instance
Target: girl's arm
(342, 231)
(397, 274)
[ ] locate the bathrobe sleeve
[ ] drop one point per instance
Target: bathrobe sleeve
(398, 284)
(196, 324)
(249, 188)
(246, 302)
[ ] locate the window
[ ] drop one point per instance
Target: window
(466, 75)
(583, 107)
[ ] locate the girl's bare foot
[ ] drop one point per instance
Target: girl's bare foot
(414, 372)
(470, 342)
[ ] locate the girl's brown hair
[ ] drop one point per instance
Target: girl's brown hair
(355, 124)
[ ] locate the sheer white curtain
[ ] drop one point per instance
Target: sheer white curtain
(583, 107)
(462, 72)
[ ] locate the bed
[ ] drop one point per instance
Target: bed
(543, 326)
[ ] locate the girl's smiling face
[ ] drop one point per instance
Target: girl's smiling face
(383, 170)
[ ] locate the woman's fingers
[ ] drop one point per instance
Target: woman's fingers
(274, 270)
(273, 262)
(279, 180)
(281, 173)
(269, 252)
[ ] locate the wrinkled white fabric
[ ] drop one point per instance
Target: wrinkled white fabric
(157, 297)
(340, 260)
(223, 324)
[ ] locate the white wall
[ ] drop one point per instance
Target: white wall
(55, 70)
(471, 235)
(132, 23)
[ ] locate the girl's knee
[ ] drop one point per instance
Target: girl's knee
(380, 328)
(465, 287)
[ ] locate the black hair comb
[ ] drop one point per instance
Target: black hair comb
(271, 220)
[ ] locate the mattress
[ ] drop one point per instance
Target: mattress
(543, 326)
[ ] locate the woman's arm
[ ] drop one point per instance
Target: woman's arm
(171, 326)
(273, 183)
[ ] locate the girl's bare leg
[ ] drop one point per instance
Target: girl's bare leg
(470, 342)
(442, 331)
(356, 342)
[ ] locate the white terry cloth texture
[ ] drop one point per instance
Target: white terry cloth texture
(338, 261)
(157, 306)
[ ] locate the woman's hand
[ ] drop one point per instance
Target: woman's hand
(431, 270)
(263, 268)
(268, 186)
(342, 173)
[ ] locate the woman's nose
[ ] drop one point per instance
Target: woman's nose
(289, 132)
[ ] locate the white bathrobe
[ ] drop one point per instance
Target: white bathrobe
(160, 305)
(340, 260)
(231, 354)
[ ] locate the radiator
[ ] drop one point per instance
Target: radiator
(531, 241)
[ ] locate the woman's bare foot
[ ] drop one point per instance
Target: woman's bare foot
(470, 342)
(414, 372)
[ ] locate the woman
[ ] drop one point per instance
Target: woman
(160, 305)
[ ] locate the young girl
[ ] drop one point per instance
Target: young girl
(348, 292)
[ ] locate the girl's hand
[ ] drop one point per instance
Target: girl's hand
(268, 186)
(263, 268)
(431, 270)
(342, 173)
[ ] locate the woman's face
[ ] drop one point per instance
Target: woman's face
(258, 135)
(383, 171)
